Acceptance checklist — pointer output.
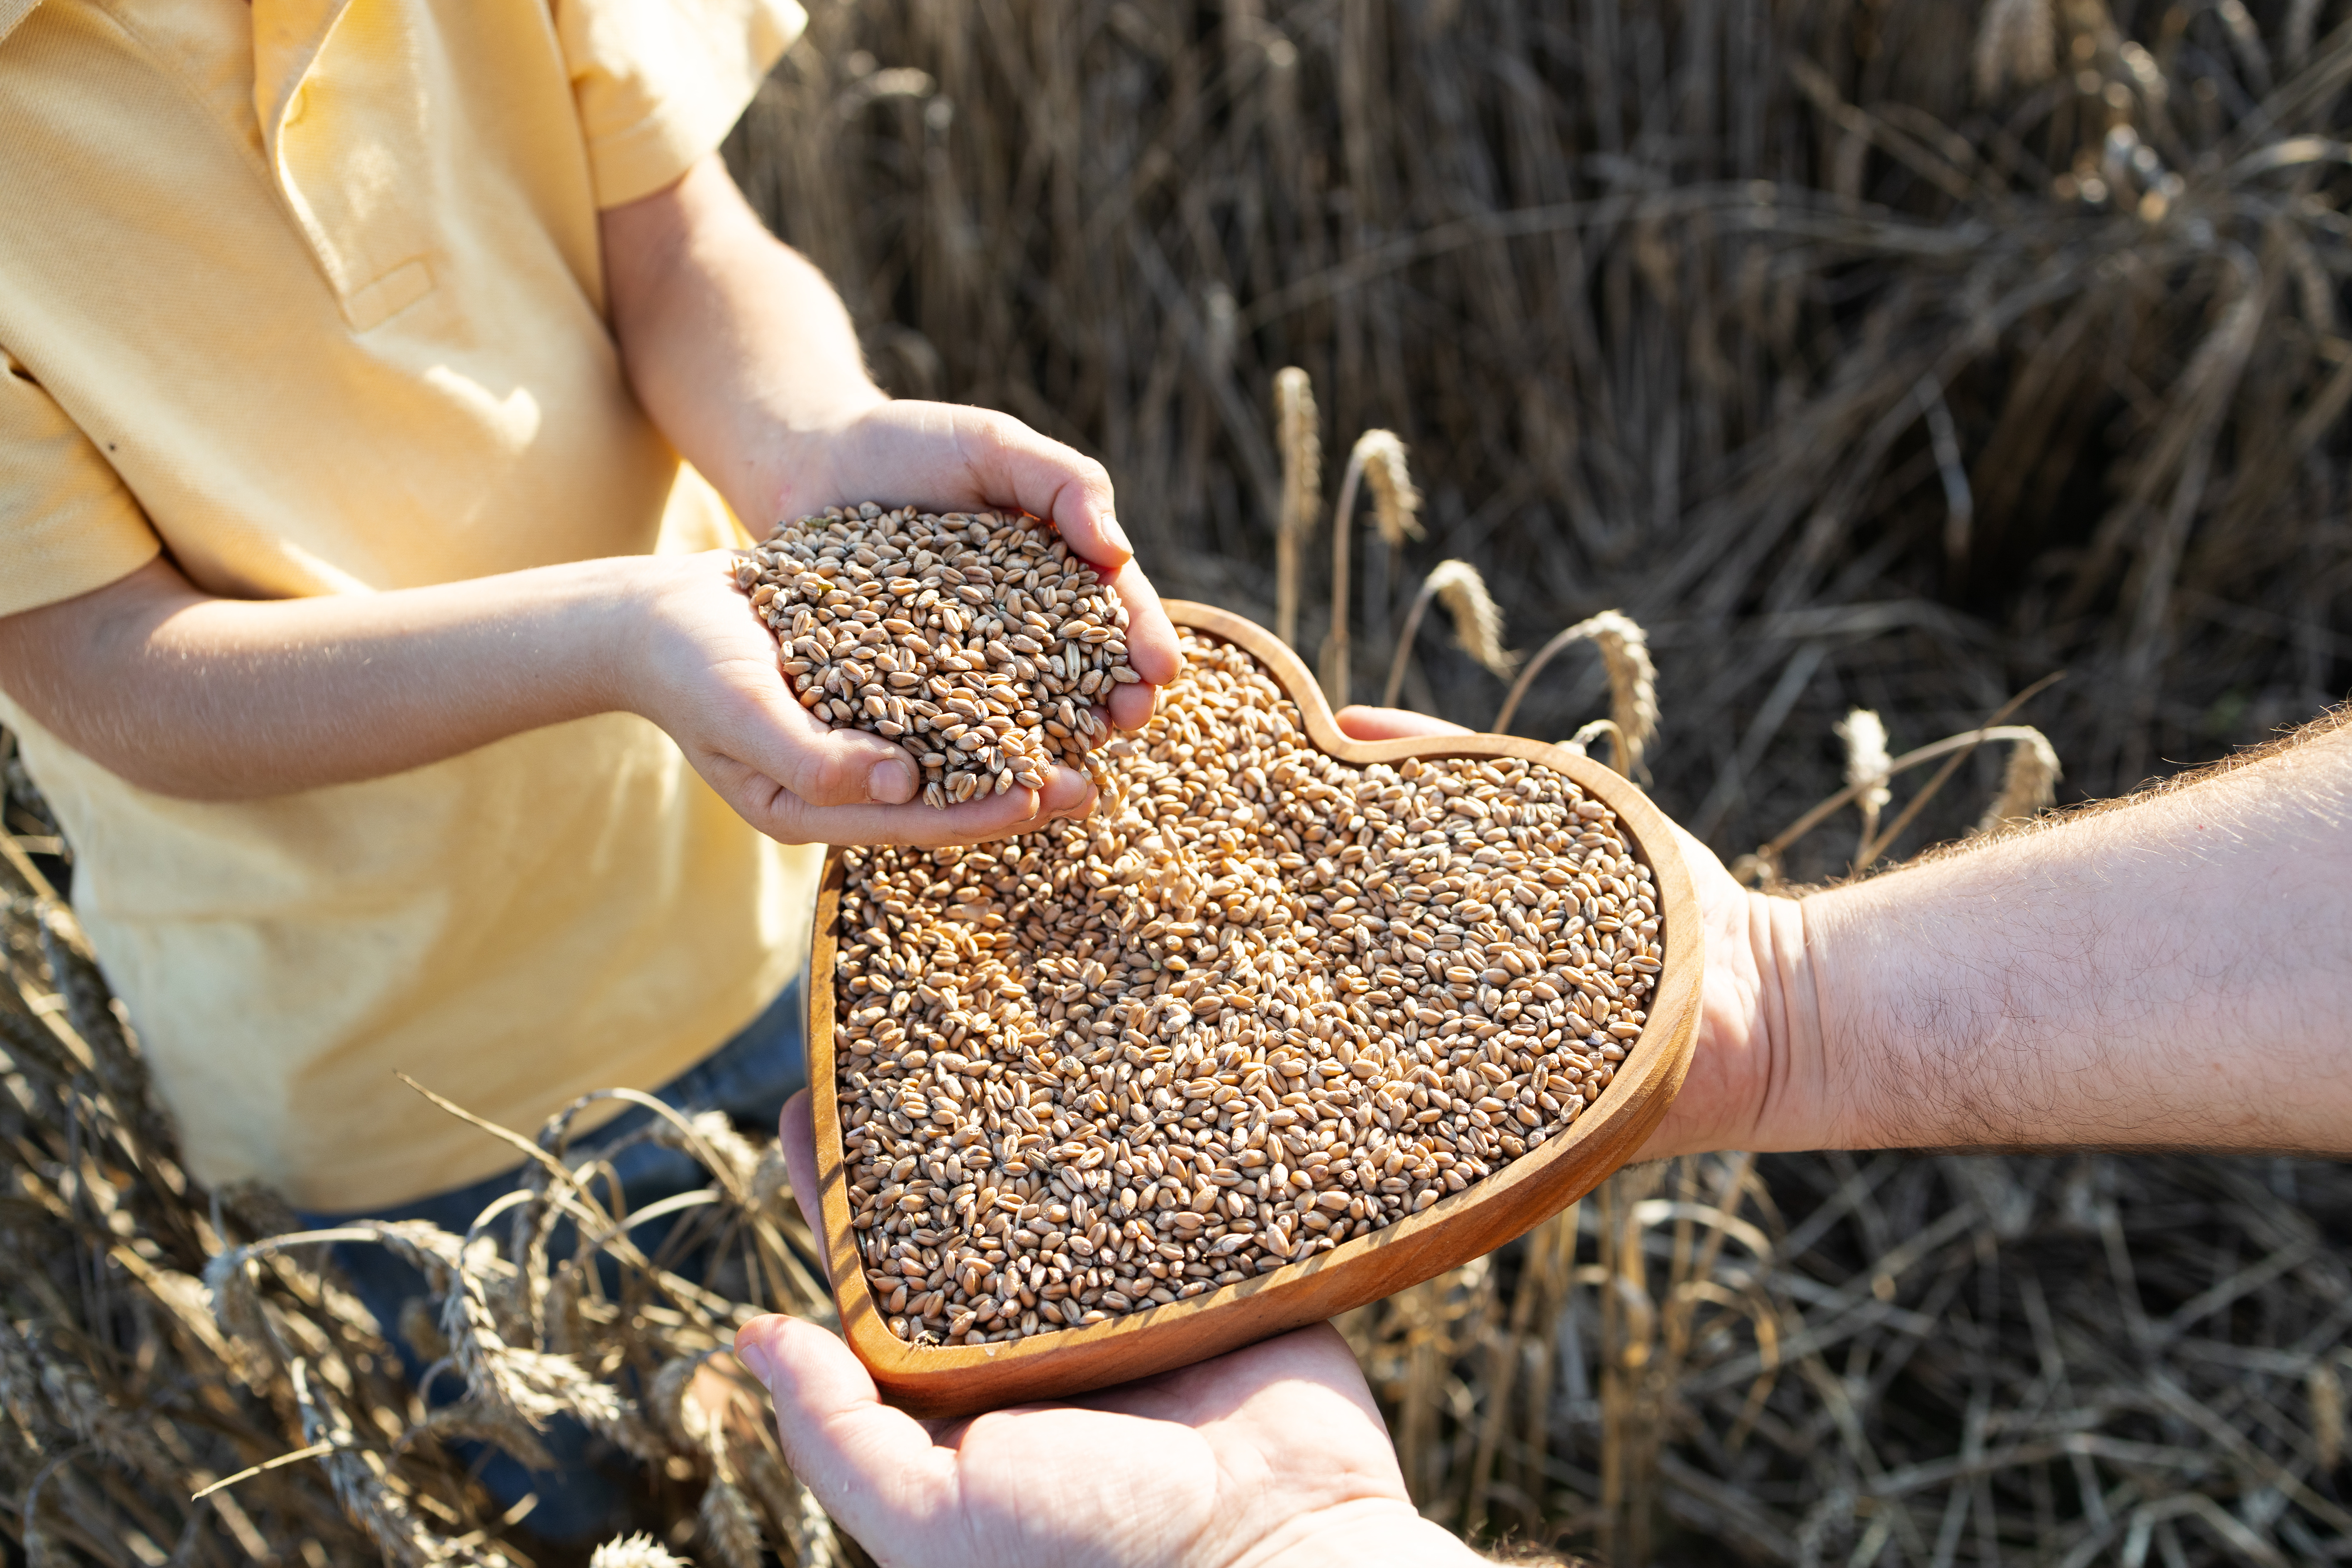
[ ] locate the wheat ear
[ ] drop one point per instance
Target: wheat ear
(1477, 622)
(1298, 432)
(2028, 784)
(1633, 681)
(634, 1552)
(1396, 500)
(2016, 41)
(1867, 766)
(1378, 459)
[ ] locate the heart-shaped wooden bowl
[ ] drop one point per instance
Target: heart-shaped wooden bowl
(960, 1380)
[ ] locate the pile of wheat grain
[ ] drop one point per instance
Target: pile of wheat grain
(1269, 1002)
(978, 641)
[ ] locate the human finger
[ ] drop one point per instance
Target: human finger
(760, 725)
(874, 1469)
(1152, 651)
(796, 1132)
(782, 815)
(1012, 465)
(1361, 722)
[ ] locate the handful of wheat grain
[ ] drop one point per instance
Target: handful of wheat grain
(978, 641)
(1271, 1002)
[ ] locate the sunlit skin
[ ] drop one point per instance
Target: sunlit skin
(1275, 1454)
(2168, 974)
(743, 355)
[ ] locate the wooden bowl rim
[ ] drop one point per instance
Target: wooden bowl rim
(1660, 1052)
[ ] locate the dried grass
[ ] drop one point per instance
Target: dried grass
(186, 1379)
(1854, 386)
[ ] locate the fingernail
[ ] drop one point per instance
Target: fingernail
(890, 783)
(1116, 537)
(753, 1354)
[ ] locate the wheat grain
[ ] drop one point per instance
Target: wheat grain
(979, 642)
(1272, 1003)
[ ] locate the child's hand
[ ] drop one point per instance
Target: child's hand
(945, 457)
(704, 668)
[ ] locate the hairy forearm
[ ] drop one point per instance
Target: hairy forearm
(735, 344)
(211, 698)
(2169, 973)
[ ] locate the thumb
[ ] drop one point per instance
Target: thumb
(874, 1469)
(796, 1131)
(764, 728)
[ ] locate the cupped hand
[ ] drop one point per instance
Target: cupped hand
(706, 671)
(1272, 1455)
(1742, 1090)
(946, 457)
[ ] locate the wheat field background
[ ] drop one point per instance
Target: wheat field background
(1868, 353)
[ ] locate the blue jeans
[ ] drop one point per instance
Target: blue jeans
(749, 1078)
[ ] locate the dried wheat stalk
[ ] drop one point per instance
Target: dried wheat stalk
(1298, 432)
(1378, 457)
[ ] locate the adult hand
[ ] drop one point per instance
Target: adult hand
(946, 457)
(1756, 1006)
(705, 669)
(1271, 1455)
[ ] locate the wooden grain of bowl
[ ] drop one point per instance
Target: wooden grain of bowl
(960, 1380)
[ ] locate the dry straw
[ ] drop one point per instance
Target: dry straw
(1640, 393)
(1633, 684)
(1378, 459)
(1298, 430)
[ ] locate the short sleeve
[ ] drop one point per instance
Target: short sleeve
(659, 82)
(66, 524)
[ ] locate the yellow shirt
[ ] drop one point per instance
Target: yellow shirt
(309, 296)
